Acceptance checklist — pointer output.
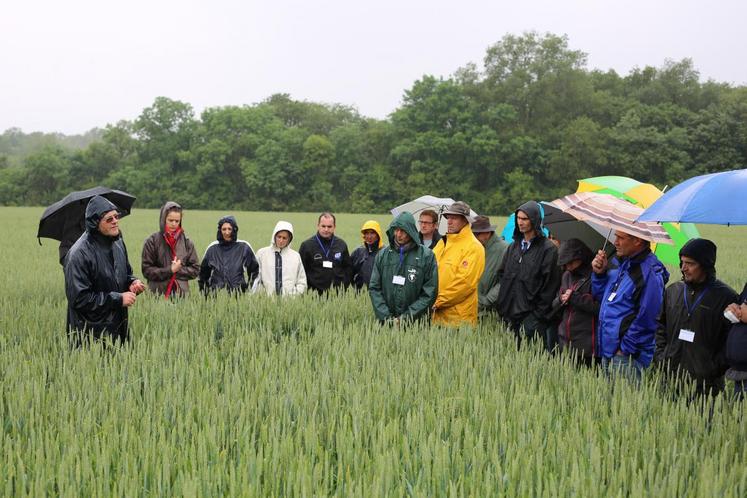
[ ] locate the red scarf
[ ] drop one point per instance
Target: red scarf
(171, 239)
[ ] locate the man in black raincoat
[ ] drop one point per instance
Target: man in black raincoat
(99, 283)
(691, 340)
(325, 257)
(529, 277)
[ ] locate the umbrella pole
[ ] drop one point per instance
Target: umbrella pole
(607, 239)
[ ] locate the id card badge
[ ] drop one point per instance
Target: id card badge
(398, 280)
(326, 264)
(612, 296)
(687, 335)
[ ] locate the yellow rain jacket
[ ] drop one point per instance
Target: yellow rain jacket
(461, 261)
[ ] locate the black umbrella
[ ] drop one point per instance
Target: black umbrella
(65, 219)
(563, 226)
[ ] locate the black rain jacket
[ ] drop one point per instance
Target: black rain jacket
(736, 344)
(314, 251)
(529, 280)
(224, 262)
(704, 359)
(97, 272)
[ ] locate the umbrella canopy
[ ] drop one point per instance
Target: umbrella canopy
(564, 226)
(643, 195)
(640, 194)
(65, 219)
(437, 204)
(613, 213)
(710, 199)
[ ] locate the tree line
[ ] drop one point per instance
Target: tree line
(526, 124)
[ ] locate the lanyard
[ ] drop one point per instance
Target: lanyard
(697, 301)
(326, 252)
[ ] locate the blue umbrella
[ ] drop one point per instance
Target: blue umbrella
(716, 199)
(508, 230)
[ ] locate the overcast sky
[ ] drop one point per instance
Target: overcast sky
(72, 65)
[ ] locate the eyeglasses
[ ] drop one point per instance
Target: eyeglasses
(112, 218)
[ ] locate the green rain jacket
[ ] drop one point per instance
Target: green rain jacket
(403, 284)
(487, 289)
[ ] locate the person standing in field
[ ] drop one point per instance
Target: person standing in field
(580, 311)
(461, 262)
(691, 339)
(169, 259)
(363, 257)
(530, 278)
(99, 283)
(428, 223)
(495, 247)
(281, 271)
(226, 260)
(631, 293)
(404, 277)
(736, 345)
(325, 257)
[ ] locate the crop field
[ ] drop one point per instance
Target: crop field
(252, 396)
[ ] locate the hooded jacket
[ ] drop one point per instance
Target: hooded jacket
(156, 258)
(292, 274)
(403, 283)
(577, 327)
(529, 279)
(97, 272)
(631, 296)
(315, 252)
(703, 359)
(363, 257)
(489, 286)
(461, 262)
(225, 261)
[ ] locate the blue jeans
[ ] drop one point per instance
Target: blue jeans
(623, 366)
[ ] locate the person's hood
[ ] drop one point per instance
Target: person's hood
(405, 221)
(97, 207)
(534, 212)
(279, 227)
(703, 251)
(164, 211)
(374, 225)
(572, 249)
(234, 233)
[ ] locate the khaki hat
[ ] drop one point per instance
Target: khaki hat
(459, 207)
(482, 224)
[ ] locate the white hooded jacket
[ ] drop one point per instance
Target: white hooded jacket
(294, 276)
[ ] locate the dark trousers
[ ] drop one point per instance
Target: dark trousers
(533, 329)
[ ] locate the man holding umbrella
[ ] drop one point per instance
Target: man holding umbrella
(99, 283)
(631, 291)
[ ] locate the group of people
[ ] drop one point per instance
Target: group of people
(614, 310)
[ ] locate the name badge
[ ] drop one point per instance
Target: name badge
(687, 335)
(612, 297)
(398, 280)
(327, 264)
